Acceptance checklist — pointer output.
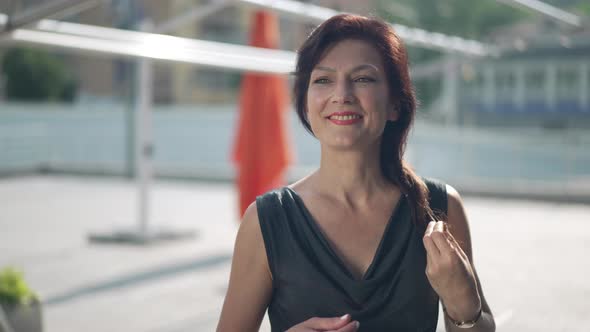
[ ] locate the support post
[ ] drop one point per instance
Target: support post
(144, 148)
(144, 153)
(450, 88)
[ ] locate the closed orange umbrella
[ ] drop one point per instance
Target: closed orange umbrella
(261, 149)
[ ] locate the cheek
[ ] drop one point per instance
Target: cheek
(315, 100)
(374, 100)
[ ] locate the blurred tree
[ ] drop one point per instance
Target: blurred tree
(35, 75)
(463, 18)
(583, 8)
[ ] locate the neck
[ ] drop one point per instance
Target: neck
(351, 176)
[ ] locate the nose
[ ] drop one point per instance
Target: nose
(343, 93)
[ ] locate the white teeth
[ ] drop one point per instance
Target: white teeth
(345, 117)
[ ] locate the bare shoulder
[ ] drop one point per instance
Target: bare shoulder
(249, 229)
(455, 209)
(455, 202)
(249, 247)
(249, 243)
(457, 219)
(250, 282)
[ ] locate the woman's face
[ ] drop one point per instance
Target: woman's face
(348, 100)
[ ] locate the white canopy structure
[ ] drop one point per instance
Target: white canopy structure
(553, 12)
(31, 29)
(294, 9)
(412, 36)
(107, 41)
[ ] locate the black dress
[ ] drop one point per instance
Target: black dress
(310, 280)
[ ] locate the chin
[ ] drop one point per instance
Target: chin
(343, 143)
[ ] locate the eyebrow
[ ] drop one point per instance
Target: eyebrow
(357, 68)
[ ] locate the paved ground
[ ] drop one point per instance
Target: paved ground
(531, 256)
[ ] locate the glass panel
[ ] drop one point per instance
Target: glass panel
(505, 83)
(567, 82)
(534, 82)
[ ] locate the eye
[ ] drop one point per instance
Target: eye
(321, 80)
(364, 79)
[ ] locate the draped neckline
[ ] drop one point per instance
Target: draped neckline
(324, 239)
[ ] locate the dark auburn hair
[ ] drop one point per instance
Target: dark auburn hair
(395, 62)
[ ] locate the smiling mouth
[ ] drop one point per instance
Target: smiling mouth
(345, 117)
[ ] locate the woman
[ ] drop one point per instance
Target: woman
(353, 246)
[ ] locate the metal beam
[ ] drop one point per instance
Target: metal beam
(106, 41)
(89, 39)
(547, 10)
(412, 36)
(312, 13)
(195, 14)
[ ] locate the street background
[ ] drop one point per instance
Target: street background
(531, 256)
(120, 113)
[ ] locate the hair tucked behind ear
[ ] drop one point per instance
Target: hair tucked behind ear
(395, 61)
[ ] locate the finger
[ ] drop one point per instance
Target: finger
(350, 327)
(429, 228)
(440, 238)
(448, 233)
(432, 252)
(455, 245)
(439, 226)
(431, 249)
(329, 323)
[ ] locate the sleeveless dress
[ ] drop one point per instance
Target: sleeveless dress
(310, 280)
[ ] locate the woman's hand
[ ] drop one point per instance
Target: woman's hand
(332, 324)
(450, 273)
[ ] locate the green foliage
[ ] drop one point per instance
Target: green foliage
(34, 75)
(13, 288)
(468, 19)
(464, 18)
(583, 8)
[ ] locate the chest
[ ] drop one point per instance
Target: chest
(394, 296)
(353, 236)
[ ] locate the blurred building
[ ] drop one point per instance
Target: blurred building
(541, 80)
(111, 79)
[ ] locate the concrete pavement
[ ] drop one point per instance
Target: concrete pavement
(531, 256)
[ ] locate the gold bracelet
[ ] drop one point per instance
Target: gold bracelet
(466, 324)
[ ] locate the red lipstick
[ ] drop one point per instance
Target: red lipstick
(344, 118)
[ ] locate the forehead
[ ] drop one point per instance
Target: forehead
(350, 53)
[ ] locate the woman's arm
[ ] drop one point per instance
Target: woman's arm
(459, 228)
(250, 282)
